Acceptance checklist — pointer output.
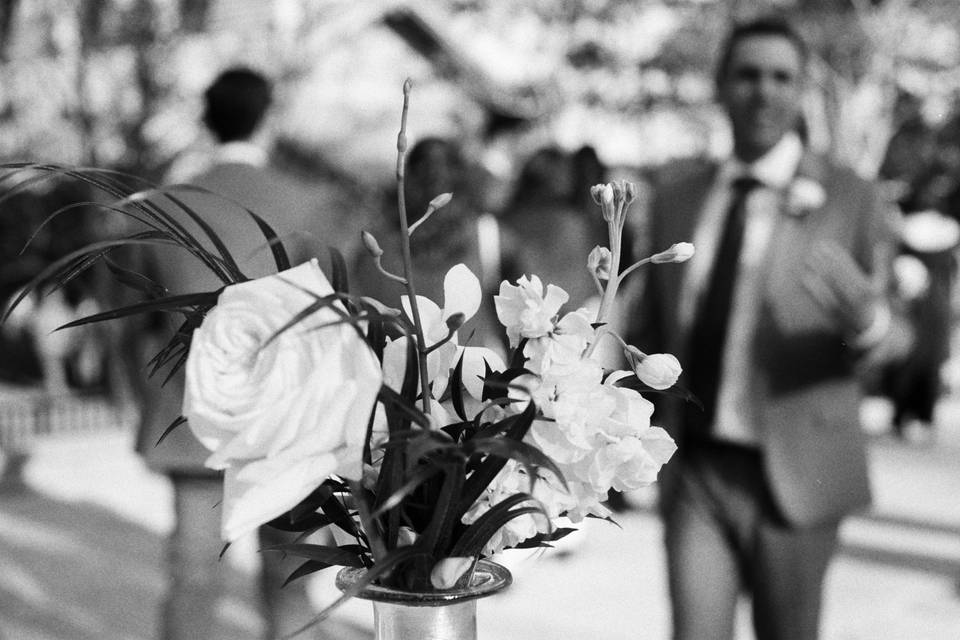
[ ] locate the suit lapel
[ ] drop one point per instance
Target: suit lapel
(787, 306)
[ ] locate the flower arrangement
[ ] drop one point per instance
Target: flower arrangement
(330, 410)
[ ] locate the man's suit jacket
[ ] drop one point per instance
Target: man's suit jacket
(307, 217)
(805, 393)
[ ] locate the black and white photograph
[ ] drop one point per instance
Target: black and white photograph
(479, 320)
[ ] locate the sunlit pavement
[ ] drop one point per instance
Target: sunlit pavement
(81, 557)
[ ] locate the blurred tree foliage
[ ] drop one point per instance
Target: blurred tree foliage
(116, 82)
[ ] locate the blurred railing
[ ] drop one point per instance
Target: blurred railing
(27, 414)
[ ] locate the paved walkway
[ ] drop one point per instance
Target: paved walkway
(81, 552)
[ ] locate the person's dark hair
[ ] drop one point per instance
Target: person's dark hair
(544, 177)
(588, 170)
(434, 166)
(235, 104)
(764, 26)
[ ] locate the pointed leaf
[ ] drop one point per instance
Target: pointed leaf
(476, 536)
(173, 425)
(135, 280)
(394, 558)
(168, 303)
(528, 455)
(320, 553)
(422, 475)
(456, 389)
(516, 427)
(338, 264)
(305, 569)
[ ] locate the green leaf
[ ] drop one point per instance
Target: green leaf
(173, 425)
(68, 265)
(167, 191)
(528, 455)
(338, 264)
(677, 391)
(135, 280)
(305, 569)
(514, 427)
(423, 474)
(339, 516)
(436, 537)
(394, 558)
(309, 522)
(544, 539)
(333, 556)
(169, 303)
(476, 536)
(148, 212)
(306, 312)
(411, 375)
(315, 500)
(456, 389)
(395, 402)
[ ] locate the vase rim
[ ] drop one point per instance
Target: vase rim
(488, 578)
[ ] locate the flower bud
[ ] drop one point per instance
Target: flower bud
(381, 308)
(617, 190)
(598, 262)
(406, 537)
(596, 192)
(371, 244)
(441, 201)
(606, 202)
(455, 321)
(629, 192)
(657, 370)
(679, 252)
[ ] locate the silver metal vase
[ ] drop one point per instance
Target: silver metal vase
(441, 615)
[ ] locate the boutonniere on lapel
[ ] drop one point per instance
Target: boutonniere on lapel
(804, 195)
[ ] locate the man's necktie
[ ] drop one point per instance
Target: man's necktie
(709, 332)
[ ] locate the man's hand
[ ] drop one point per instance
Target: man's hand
(840, 286)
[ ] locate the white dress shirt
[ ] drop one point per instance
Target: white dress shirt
(775, 171)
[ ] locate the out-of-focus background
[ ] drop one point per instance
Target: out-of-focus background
(118, 83)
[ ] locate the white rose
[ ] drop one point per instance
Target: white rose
(279, 416)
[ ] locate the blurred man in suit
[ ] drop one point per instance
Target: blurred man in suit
(236, 177)
(770, 320)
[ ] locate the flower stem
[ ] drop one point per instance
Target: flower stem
(634, 266)
(405, 248)
(615, 230)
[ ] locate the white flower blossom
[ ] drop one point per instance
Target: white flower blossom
(598, 262)
(525, 311)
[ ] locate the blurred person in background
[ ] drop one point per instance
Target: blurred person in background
(459, 232)
(238, 175)
(557, 224)
(924, 273)
(770, 320)
(588, 170)
(925, 161)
